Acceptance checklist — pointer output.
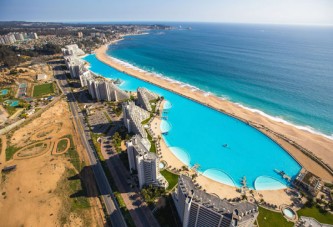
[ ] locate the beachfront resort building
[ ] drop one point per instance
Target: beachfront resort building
(133, 116)
(144, 98)
(198, 208)
(102, 89)
(75, 65)
(72, 49)
(144, 162)
(73, 62)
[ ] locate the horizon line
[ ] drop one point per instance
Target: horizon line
(161, 21)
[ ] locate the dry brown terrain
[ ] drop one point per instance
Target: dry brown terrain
(38, 192)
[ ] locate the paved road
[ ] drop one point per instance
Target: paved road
(108, 198)
(141, 214)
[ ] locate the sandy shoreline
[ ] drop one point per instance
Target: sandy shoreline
(319, 145)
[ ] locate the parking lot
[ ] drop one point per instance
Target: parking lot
(98, 122)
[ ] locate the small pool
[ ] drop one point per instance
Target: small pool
(289, 213)
(161, 165)
(12, 103)
(4, 92)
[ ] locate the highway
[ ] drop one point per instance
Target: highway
(111, 205)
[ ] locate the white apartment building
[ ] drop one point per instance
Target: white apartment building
(75, 65)
(101, 88)
(144, 162)
(133, 116)
(72, 49)
(144, 98)
(198, 208)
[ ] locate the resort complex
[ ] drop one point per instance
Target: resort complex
(198, 208)
(144, 162)
(106, 143)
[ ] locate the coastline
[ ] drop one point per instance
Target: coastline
(320, 146)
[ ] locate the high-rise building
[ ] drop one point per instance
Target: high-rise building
(101, 88)
(2, 41)
(80, 35)
(144, 162)
(75, 65)
(72, 50)
(19, 36)
(133, 116)
(198, 208)
(144, 98)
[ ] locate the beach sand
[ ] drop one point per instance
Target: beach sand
(320, 146)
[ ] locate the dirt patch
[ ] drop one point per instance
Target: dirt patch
(27, 192)
(33, 150)
(39, 190)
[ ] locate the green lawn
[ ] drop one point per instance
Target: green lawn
(61, 146)
(153, 145)
(10, 151)
(74, 156)
(43, 89)
(76, 186)
(272, 219)
(144, 122)
(314, 212)
(171, 178)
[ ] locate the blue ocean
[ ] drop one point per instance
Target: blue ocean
(284, 71)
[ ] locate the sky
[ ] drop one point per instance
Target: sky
(317, 12)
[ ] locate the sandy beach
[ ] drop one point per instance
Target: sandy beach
(320, 146)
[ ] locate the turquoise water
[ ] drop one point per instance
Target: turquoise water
(284, 71)
(12, 103)
(289, 213)
(196, 135)
(4, 92)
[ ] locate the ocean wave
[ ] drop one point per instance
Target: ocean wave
(206, 93)
(281, 120)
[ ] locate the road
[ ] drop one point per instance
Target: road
(111, 205)
(141, 214)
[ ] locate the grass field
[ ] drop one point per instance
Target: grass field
(10, 151)
(61, 146)
(171, 178)
(271, 219)
(314, 212)
(74, 156)
(43, 89)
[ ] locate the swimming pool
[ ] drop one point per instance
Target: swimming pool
(290, 214)
(4, 92)
(225, 148)
(12, 103)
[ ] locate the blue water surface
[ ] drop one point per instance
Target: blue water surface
(285, 71)
(196, 135)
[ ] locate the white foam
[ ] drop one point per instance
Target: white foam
(281, 120)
